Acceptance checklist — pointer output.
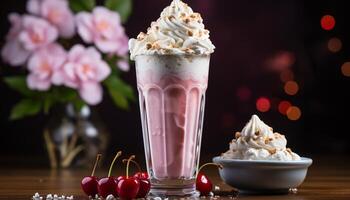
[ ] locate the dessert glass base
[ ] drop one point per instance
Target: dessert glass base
(165, 190)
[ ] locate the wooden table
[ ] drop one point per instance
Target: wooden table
(328, 179)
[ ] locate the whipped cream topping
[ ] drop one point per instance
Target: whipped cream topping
(178, 31)
(257, 141)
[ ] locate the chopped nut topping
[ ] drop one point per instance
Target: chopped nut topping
(270, 139)
(272, 151)
(187, 20)
(171, 17)
(257, 133)
(148, 46)
(237, 135)
(266, 141)
(189, 33)
(183, 14)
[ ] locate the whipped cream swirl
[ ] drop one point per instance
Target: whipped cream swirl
(257, 141)
(178, 31)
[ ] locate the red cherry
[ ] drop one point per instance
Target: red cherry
(145, 184)
(107, 185)
(128, 187)
(141, 175)
(119, 178)
(89, 183)
(203, 184)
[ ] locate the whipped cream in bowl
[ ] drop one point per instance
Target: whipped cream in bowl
(259, 161)
(257, 141)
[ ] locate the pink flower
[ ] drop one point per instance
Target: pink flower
(55, 11)
(84, 70)
(13, 52)
(43, 66)
(123, 65)
(36, 33)
(103, 28)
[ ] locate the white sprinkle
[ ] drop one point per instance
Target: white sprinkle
(110, 197)
(293, 190)
(211, 194)
(216, 188)
(70, 197)
(157, 198)
(36, 195)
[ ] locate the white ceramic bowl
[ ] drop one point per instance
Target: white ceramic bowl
(260, 176)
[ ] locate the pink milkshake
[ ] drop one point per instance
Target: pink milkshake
(172, 64)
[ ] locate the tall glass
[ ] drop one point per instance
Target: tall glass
(172, 97)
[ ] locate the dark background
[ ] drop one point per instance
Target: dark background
(247, 34)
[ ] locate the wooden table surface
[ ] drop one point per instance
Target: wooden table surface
(327, 179)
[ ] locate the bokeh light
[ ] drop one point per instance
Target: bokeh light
(227, 120)
(263, 104)
(286, 75)
(293, 113)
(243, 93)
(334, 44)
(345, 69)
(327, 22)
(280, 61)
(291, 87)
(283, 106)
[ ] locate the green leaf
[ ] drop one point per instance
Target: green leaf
(81, 5)
(123, 7)
(120, 91)
(26, 107)
(19, 84)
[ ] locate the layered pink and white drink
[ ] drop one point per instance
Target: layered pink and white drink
(172, 65)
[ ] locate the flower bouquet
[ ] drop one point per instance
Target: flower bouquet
(67, 51)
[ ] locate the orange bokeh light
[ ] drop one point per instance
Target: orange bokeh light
(334, 45)
(286, 75)
(291, 87)
(345, 69)
(327, 22)
(283, 106)
(263, 104)
(293, 113)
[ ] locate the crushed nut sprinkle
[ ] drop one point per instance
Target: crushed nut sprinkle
(272, 151)
(237, 135)
(148, 46)
(190, 33)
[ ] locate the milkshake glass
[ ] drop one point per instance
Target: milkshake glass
(172, 97)
(172, 65)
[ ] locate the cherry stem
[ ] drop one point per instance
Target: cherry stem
(98, 157)
(127, 165)
(115, 158)
(137, 164)
(206, 164)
